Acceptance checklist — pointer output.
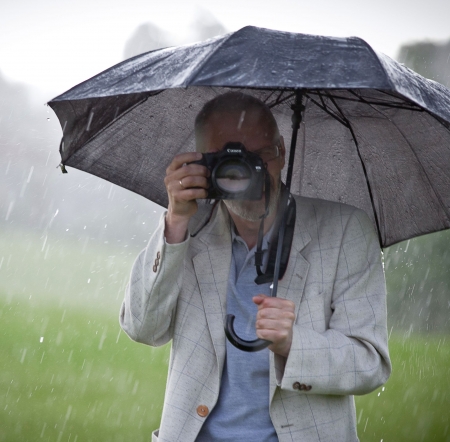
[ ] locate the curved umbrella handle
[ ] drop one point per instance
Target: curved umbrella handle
(242, 344)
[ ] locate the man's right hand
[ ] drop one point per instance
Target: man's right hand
(185, 183)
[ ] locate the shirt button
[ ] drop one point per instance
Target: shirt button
(158, 255)
(155, 268)
(202, 410)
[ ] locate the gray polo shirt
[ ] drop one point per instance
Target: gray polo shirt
(242, 411)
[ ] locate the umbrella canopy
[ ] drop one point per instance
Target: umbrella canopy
(374, 133)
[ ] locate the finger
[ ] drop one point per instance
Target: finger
(264, 302)
(276, 313)
(193, 193)
(193, 181)
(259, 299)
(274, 324)
(275, 336)
(183, 158)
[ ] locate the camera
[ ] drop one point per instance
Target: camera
(236, 173)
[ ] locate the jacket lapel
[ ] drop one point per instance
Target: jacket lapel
(212, 267)
(293, 283)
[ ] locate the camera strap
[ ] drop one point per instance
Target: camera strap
(286, 216)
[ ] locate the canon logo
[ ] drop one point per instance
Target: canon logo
(234, 150)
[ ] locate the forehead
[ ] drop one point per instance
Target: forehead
(247, 126)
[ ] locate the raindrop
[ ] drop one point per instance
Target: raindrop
(29, 175)
(48, 119)
(91, 115)
(8, 212)
(41, 340)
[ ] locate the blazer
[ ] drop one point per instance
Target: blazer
(334, 276)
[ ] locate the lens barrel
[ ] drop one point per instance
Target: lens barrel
(236, 173)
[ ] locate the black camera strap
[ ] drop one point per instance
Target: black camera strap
(287, 216)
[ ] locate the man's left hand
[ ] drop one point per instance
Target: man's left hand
(274, 322)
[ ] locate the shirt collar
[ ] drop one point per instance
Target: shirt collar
(266, 238)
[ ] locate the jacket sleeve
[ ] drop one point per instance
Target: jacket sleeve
(351, 355)
(148, 310)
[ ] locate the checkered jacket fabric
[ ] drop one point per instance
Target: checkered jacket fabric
(335, 278)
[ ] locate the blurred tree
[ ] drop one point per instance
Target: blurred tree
(418, 283)
(147, 37)
(431, 60)
(34, 194)
(205, 26)
(418, 271)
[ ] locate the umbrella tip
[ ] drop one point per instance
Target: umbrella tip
(63, 167)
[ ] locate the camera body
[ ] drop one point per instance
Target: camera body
(236, 173)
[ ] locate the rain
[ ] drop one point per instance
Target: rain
(68, 241)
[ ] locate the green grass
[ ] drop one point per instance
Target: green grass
(85, 381)
(414, 405)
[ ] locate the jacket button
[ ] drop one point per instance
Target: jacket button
(155, 268)
(303, 387)
(158, 255)
(202, 410)
(157, 262)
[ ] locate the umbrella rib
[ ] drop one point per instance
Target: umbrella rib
(323, 106)
(201, 63)
(112, 122)
(438, 198)
(361, 99)
(436, 117)
(280, 100)
(412, 106)
(369, 188)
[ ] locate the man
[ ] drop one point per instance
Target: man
(327, 325)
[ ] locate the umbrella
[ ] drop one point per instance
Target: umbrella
(374, 134)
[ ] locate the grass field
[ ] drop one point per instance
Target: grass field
(67, 372)
(67, 375)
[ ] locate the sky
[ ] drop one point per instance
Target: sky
(52, 45)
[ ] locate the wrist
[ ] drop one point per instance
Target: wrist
(175, 228)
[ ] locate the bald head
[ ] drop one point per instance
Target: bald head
(244, 109)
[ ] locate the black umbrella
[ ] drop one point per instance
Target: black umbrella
(374, 133)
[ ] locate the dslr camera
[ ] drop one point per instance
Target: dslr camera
(236, 173)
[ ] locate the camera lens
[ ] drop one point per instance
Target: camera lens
(232, 176)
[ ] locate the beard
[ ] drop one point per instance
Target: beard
(254, 210)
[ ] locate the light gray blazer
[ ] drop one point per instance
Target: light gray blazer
(334, 276)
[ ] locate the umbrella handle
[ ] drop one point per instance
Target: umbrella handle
(242, 344)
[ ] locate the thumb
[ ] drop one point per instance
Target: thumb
(258, 299)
